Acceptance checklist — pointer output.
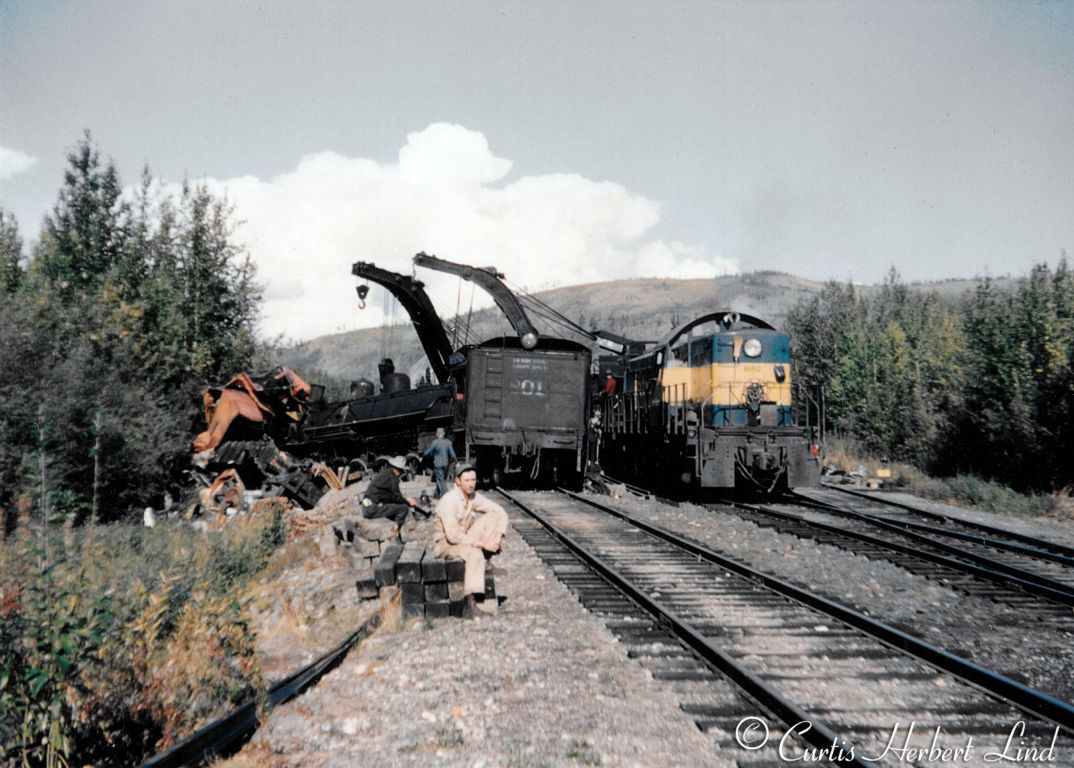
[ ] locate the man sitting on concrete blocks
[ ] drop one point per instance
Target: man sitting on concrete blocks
(469, 528)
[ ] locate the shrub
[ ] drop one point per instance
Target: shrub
(128, 640)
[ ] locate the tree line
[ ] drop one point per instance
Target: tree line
(982, 387)
(128, 304)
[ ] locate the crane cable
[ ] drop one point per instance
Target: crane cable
(564, 321)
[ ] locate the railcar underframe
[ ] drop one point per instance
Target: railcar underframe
(669, 444)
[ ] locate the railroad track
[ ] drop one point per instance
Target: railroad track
(699, 619)
(910, 518)
(1018, 574)
(1031, 574)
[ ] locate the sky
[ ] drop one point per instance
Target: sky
(564, 142)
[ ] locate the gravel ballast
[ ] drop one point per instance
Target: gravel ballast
(992, 634)
(542, 683)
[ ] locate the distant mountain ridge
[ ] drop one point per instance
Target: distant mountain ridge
(640, 308)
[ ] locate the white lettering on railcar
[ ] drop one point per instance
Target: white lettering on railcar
(529, 364)
(531, 387)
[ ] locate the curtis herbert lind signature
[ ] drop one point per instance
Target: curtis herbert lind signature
(752, 733)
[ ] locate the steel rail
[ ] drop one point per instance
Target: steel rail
(976, 538)
(997, 573)
(820, 735)
(1028, 699)
(981, 566)
(993, 530)
(223, 736)
(637, 490)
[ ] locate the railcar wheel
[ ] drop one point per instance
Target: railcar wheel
(356, 470)
(413, 466)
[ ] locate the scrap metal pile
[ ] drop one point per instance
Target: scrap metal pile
(237, 457)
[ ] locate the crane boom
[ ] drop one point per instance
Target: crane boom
(489, 279)
(411, 294)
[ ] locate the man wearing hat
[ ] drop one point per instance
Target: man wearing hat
(469, 528)
(383, 497)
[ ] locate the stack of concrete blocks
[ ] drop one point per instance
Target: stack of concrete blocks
(430, 586)
(362, 542)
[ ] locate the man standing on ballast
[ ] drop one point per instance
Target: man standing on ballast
(443, 453)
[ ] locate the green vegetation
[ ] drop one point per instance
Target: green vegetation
(125, 310)
(983, 388)
(116, 640)
(960, 490)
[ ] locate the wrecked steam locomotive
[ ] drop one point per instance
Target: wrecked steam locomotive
(516, 406)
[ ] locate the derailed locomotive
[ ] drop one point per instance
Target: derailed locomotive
(712, 405)
(516, 406)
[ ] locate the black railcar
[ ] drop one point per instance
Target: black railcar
(527, 410)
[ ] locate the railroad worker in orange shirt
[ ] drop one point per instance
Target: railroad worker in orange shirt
(469, 528)
(609, 384)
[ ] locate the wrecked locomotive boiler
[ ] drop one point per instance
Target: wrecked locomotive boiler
(517, 405)
(401, 418)
(245, 419)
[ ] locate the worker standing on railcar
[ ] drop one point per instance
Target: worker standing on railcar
(469, 527)
(443, 452)
(609, 384)
(383, 498)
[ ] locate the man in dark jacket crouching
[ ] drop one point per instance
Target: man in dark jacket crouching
(383, 497)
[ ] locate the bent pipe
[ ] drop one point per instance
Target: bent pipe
(226, 735)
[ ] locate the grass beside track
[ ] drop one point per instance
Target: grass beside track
(118, 640)
(959, 490)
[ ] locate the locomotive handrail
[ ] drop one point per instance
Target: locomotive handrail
(712, 316)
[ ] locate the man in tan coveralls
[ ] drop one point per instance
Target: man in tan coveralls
(468, 526)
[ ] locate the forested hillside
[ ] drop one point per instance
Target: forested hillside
(644, 308)
(983, 386)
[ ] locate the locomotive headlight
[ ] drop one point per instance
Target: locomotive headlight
(752, 347)
(529, 340)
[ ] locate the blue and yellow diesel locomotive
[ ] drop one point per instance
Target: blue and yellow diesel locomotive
(711, 405)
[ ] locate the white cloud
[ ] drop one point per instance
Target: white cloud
(447, 196)
(13, 162)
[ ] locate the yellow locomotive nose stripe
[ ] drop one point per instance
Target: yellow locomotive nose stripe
(724, 383)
